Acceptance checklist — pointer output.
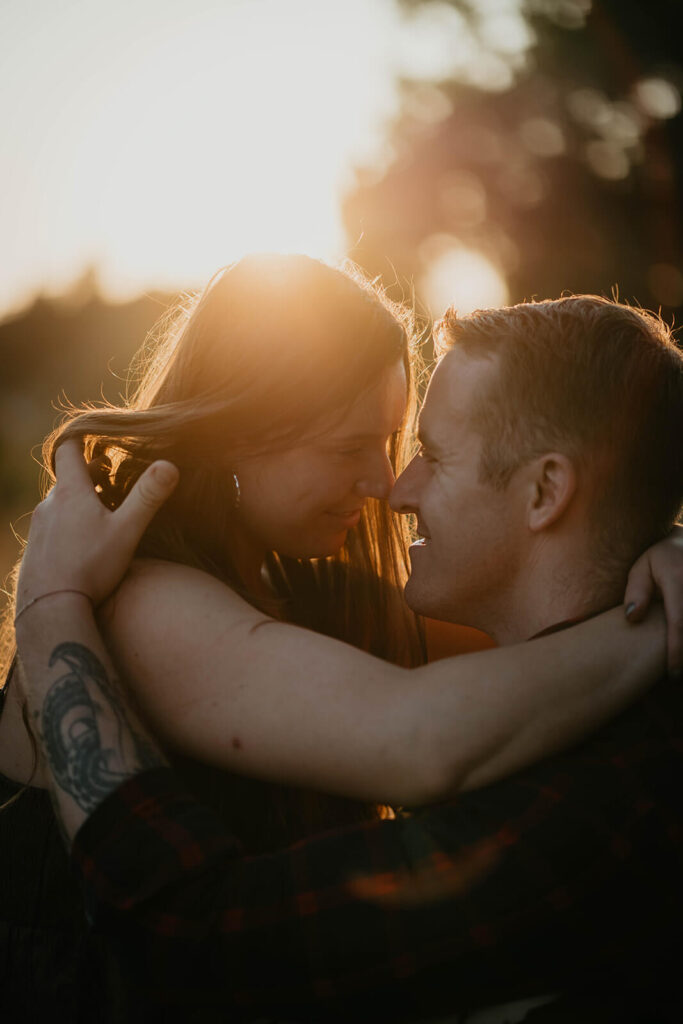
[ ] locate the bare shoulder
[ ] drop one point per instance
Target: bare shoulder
(171, 630)
(156, 598)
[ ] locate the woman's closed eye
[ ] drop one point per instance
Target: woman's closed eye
(352, 452)
(356, 450)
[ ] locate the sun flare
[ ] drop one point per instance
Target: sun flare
(164, 141)
(462, 277)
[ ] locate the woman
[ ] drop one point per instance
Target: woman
(275, 351)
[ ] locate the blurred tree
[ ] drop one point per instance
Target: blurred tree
(547, 138)
(73, 349)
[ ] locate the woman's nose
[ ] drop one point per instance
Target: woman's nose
(378, 479)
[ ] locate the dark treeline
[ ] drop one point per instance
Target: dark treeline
(58, 351)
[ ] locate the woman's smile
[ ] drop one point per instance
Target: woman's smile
(348, 519)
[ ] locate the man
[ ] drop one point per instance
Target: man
(549, 461)
(566, 875)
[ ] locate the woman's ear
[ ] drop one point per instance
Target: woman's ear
(553, 485)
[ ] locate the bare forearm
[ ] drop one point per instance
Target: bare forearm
(519, 704)
(91, 741)
(415, 737)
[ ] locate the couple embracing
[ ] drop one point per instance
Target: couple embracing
(546, 861)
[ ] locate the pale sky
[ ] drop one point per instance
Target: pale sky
(160, 139)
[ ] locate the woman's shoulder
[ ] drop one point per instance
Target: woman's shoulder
(170, 630)
(151, 578)
(157, 594)
(146, 572)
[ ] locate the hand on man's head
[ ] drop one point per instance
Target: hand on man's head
(75, 543)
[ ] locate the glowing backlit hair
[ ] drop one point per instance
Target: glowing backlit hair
(601, 382)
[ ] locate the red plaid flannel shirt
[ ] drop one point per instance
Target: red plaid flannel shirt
(568, 875)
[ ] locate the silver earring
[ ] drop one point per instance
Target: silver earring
(238, 492)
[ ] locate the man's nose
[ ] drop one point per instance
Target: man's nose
(403, 497)
(378, 479)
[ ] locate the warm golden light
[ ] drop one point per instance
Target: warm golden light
(463, 278)
(160, 140)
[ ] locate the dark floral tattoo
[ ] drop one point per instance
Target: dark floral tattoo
(79, 761)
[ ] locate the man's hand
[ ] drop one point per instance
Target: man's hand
(660, 570)
(75, 543)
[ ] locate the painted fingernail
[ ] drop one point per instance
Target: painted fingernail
(630, 608)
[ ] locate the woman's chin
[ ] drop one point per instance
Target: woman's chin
(322, 547)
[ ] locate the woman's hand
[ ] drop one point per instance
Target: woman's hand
(75, 543)
(660, 570)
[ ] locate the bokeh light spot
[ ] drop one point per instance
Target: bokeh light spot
(607, 160)
(625, 125)
(436, 43)
(507, 33)
(428, 104)
(589, 106)
(461, 277)
(490, 73)
(658, 97)
(569, 14)
(542, 136)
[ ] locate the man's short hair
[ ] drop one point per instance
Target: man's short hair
(599, 381)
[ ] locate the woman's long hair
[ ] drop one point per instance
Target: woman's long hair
(271, 346)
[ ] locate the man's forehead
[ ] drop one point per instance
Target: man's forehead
(457, 382)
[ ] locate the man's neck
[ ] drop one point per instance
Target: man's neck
(549, 594)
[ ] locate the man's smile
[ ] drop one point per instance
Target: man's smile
(423, 535)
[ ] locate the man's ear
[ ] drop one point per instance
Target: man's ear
(553, 484)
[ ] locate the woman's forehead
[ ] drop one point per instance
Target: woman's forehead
(378, 410)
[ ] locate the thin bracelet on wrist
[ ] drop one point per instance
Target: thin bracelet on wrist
(50, 593)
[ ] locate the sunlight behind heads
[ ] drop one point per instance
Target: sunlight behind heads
(458, 276)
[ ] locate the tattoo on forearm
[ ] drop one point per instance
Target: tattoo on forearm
(82, 765)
